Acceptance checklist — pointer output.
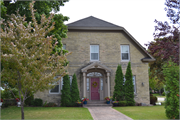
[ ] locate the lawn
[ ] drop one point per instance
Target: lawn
(46, 113)
(143, 112)
(160, 96)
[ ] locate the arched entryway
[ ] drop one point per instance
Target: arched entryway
(96, 84)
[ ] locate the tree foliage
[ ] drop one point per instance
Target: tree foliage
(129, 87)
(42, 7)
(173, 10)
(65, 96)
(165, 46)
(118, 88)
(171, 71)
(26, 54)
(74, 91)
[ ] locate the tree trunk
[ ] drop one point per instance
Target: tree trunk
(22, 110)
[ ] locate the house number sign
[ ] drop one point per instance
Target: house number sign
(94, 84)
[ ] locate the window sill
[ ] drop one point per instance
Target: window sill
(125, 60)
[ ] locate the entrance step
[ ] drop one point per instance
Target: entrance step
(97, 104)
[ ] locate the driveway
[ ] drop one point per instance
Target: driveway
(107, 113)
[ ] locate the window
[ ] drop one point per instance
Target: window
(56, 88)
(70, 78)
(101, 83)
(87, 84)
(94, 52)
(94, 74)
(59, 85)
(64, 46)
(125, 52)
(134, 82)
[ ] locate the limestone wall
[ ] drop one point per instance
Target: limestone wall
(109, 54)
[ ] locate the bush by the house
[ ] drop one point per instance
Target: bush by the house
(29, 100)
(37, 102)
(129, 87)
(171, 73)
(122, 103)
(153, 100)
(163, 94)
(50, 104)
(118, 88)
(74, 91)
(65, 96)
(5, 94)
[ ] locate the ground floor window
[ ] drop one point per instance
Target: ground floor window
(134, 82)
(58, 85)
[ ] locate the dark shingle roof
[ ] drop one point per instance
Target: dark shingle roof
(92, 22)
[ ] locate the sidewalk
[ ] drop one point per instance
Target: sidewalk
(107, 113)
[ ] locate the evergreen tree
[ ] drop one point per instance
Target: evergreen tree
(118, 88)
(65, 97)
(74, 91)
(129, 87)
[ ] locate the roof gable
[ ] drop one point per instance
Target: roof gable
(92, 22)
(95, 24)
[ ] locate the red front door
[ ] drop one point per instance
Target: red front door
(94, 89)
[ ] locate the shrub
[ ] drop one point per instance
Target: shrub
(65, 96)
(6, 94)
(153, 100)
(50, 104)
(163, 94)
(15, 92)
(171, 72)
(74, 91)
(118, 88)
(37, 102)
(29, 100)
(129, 87)
(122, 103)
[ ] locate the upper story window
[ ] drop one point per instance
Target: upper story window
(94, 52)
(125, 53)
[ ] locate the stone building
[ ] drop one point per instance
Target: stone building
(97, 48)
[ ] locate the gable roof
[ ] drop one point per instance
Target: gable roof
(96, 24)
(92, 22)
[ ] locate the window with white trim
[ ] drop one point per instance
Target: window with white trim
(64, 46)
(87, 84)
(125, 53)
(59, 85)
(134, 82)
(94, 52)
(56, 89)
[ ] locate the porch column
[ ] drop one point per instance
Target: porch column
(84, 84)
(108, 74)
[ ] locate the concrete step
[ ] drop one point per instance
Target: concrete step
(97, 104)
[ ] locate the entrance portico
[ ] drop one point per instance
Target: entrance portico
(96, 81)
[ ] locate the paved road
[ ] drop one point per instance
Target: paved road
(107, 113)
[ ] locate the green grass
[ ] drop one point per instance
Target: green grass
(157, 95)
(46, 113)
(143, 112)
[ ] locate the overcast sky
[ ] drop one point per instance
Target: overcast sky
(136, 16)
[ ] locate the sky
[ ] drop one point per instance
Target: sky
(136, 16)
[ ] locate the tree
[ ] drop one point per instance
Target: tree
(65, 96)
(74, 91)
(173, 10)
(42, 7)
(26, 54)
(171, 72)
(118, 88)
(129, 87)
(165, 46)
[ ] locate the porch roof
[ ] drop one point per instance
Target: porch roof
(96, 65)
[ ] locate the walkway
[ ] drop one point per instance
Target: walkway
(107, 113)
